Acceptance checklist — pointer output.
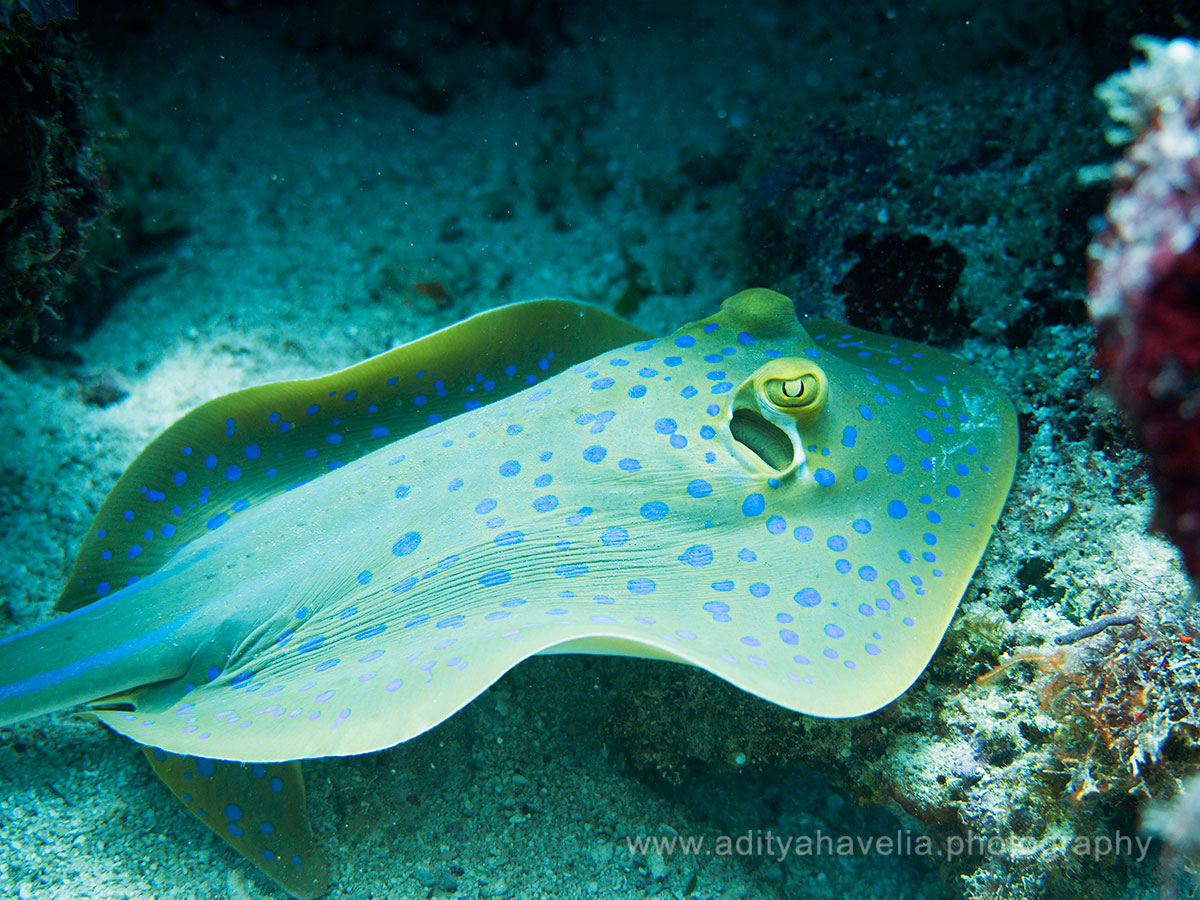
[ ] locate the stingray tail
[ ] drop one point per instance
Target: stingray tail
(96, 651)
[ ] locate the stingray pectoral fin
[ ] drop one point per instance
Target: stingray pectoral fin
(241, 449)
(607, 645)
(258, 809)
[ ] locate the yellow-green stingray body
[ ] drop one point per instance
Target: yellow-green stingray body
(333, 566)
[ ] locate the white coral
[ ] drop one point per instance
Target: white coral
(1154, 214)
(1169, 78)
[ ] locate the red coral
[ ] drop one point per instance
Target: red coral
(1152, 357)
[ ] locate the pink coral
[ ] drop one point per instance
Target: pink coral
(1144, 290)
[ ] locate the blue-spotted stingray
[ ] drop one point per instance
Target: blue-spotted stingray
(333, 566)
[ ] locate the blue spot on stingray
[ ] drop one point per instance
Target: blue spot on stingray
(373, 631)
(312, 409)
(601, 384)
(638, 390)
(834, 631)
(364, 577)
(311, 644)
(494, 578)
(216, 521)
(860, 473)
(685, 340)
(253, 451)
(807, 597)
(894, 464)
(953, 491)
(776, 525)
(233, 473)
(205, 767)
(508, 538)
(803, 534)
(824, 477)
(723, 586)
(753, 505)
(673, 361)
(167, 530)
(180, 478)
(924, 436)
(402, 491)
(897, 510)
(862, 526)
(665, 426)
(276, 785)
(759, 589)
(407, 544)
(378, 431)
(654, 510)
(510, 468)
(699, 488)
(641, 586)
(849, 436)
(594, 453)
(837, 543)
(866, 413)
(543, 480)
(614, 537)
(455, 484)
(697, 555)
(868, 573)
(545, 503)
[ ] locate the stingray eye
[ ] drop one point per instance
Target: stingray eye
(801, 388)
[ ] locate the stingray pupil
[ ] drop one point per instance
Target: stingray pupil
(767, 441)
